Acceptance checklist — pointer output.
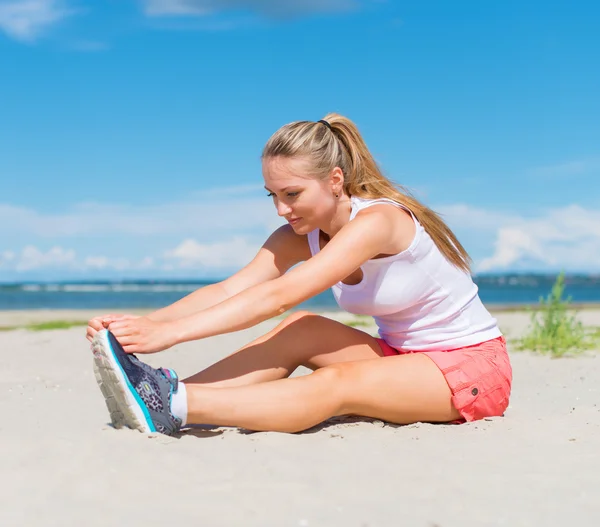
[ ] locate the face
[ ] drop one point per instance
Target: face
(305, 202)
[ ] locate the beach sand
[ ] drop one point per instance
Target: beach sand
(62, 464)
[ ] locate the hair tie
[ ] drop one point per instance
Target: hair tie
(325, 123)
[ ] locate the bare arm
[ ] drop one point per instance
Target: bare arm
(342, 256)
(200, 299)
(281, 251)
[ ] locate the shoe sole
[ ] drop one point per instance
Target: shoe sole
(123, 402)
(116, 416)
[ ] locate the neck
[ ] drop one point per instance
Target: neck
(340, 218)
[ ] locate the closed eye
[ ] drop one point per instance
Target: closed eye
(289, 194)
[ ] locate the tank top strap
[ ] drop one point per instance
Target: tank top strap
(313, 241)
(359, 204)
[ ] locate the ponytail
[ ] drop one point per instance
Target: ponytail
(340, 144)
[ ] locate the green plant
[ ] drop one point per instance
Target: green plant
(54, 324)
(43, 326)
(554, 330)
(359, 321)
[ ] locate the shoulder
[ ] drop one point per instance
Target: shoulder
(393, 222)
(288, 245)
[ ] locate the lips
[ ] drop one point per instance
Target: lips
(295, 220)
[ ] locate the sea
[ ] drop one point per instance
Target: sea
(496, 291)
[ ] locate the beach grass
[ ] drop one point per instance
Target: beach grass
(45, 326)
(554, 329)
(359, 321)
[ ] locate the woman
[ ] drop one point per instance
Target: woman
(440, 358)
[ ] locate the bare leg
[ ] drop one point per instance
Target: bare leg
(401, 389)
(302, 339)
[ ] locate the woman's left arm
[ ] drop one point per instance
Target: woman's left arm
(359, 240)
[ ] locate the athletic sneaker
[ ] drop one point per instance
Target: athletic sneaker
(137, 395)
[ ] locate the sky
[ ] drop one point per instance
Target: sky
(131, 130)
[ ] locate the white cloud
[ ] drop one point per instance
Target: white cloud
(512, 245)
(189, 254)
(146, 263)
(204, 216)
(8, 256)
(567, 237)
(32, 258)
(235, 252)
(137, 239)
(475, 218)
(220, 231)
(96, 262)
(25, 20)
(271, 8)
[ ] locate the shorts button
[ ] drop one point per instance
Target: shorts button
(474, 391)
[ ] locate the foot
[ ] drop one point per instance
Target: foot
(137, 395)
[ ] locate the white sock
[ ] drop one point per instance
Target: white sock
(179, 403)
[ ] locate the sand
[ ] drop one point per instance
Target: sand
(62, 463)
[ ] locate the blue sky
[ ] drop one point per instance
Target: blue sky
(130, 131)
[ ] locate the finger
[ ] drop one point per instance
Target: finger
(112, 315)
(95, 324)
(128, 341)
(117, 316)
(118, 325)
(136, 348)
(121, 334)
(105, 315)
(109, 320)
(123, 321)
(99, 323)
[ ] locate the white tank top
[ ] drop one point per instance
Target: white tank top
(418, 299)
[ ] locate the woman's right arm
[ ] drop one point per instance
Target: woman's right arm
(282, 250)
(202, 298)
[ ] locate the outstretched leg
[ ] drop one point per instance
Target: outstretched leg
(400, 389)
(302, 339)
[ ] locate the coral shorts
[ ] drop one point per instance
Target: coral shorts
(479, 376)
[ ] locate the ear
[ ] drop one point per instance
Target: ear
(336, 180)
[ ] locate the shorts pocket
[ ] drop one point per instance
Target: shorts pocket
(487, 392)
(474, 405)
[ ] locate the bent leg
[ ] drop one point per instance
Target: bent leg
(302, 339)
(401, 389)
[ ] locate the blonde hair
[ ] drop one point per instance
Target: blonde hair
(341, 145)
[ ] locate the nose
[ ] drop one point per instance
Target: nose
(283, 209)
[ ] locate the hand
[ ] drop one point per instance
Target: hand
(101, 322)
(142, 335)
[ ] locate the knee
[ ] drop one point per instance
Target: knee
(335, 375)
(336, 383)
